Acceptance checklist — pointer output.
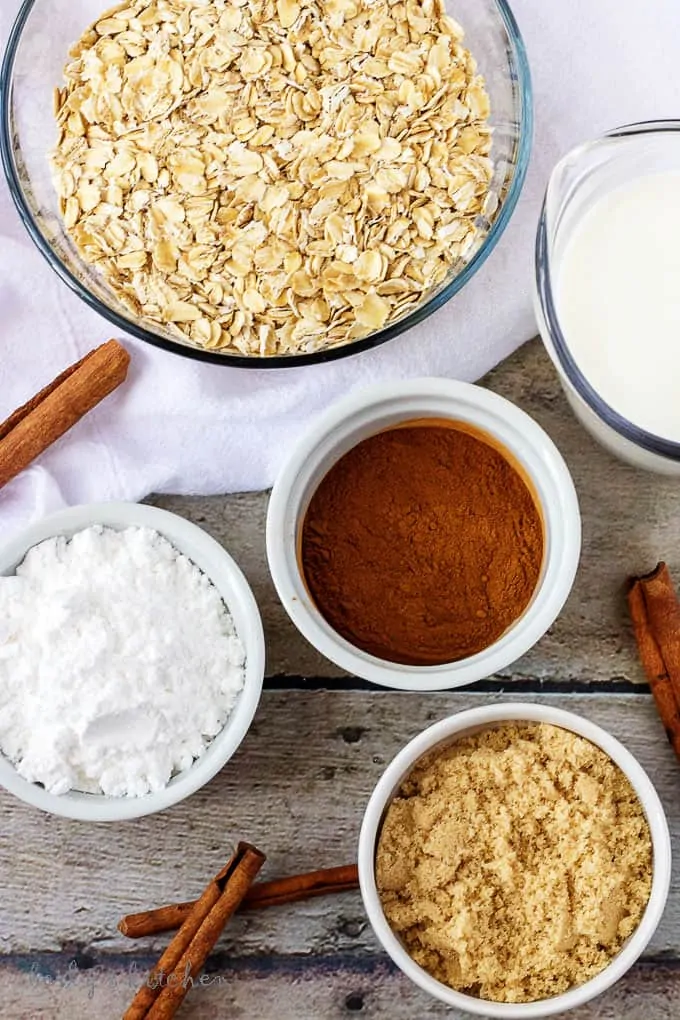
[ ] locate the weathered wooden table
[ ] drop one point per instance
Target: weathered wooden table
(299, 784)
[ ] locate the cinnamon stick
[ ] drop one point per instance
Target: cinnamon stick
(301, 887)
(264, 894)
(32, 428)
(155, 922)
(655, 613)
(197, 935)
(194, 957)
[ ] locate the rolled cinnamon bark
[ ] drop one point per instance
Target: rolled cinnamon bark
(155, 922)
(663, 612)
(228, 889)
(31, 429)
(655, 613)
(264, 894)
(235, 886)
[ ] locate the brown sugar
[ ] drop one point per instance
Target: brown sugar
(423, 544)
(515, 863)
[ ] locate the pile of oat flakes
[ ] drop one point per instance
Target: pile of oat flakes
(273, 177)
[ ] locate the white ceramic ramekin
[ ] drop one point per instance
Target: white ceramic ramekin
(472, 721)
(218, 565)
(368, 411)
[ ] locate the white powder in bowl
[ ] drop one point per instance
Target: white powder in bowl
(119, 662)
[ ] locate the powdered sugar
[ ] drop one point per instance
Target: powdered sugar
(119, 662)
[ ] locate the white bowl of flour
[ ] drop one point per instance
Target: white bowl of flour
(131, 661)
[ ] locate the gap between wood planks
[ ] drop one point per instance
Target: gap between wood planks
(293, 988)
(57, 966)
(494, 685)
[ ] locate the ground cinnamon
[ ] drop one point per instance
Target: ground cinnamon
(423, 544)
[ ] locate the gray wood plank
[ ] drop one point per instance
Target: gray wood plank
(300, 782)
(630, 520)
(297, 788)
(323, 990)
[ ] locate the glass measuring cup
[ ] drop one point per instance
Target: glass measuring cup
(579, 180)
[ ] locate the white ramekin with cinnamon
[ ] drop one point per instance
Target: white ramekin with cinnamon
(386, 412)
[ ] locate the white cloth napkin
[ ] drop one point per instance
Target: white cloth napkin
(183, 427)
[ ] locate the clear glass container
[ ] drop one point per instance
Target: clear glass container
(578, 181)
(33, 65)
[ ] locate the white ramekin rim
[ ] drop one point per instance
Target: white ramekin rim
(227, 577)
(456, 726)
(514, 429)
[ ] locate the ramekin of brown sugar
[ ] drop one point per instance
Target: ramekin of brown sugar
(424, 534)
(514, 861)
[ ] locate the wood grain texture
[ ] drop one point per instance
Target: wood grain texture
(629, 523)
(297, 788)
(299, 785)
(324, 989)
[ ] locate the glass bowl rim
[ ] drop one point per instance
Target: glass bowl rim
(525, 138)
(605, 412)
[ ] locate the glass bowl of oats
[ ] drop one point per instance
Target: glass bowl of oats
(269, 183)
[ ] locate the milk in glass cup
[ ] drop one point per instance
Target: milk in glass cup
(608, 289)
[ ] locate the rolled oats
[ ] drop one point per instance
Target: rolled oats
(273, 176)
